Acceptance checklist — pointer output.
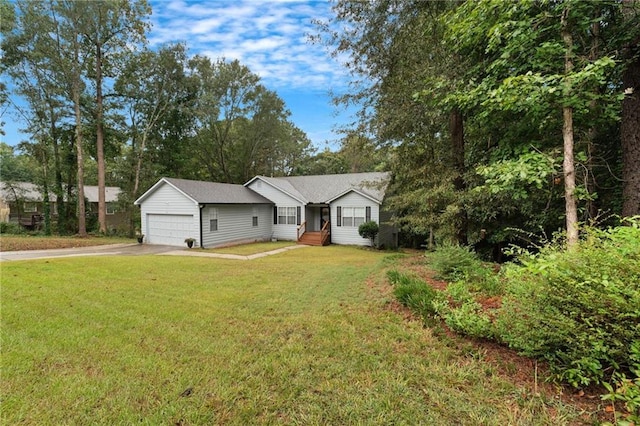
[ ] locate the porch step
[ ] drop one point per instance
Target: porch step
(312, 239)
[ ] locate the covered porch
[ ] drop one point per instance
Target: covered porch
(316, 229)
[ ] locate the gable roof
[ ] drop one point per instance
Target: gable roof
(321, 189)
(209, 192)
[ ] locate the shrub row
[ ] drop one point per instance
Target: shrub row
(577, 309)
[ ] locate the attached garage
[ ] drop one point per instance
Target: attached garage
(170, 229)
(211, 213)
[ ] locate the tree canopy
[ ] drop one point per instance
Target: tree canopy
(503, 117)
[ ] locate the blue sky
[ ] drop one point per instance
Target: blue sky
(271, 38)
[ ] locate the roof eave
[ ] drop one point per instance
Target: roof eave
(364, 194)
(305, 202)
(156, 186)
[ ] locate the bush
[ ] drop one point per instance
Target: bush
(627, 390)
(414, 293)
(578, 309)
(453, 262)
(469, 319)
(11, 228)
(369, 230)
(459, 263)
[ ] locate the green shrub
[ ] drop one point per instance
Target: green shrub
(11, 228)
(414, 293)
(453, 262)
(578, 309)
(627, 390)
(469, 319)
(458, 263)
(369, 230)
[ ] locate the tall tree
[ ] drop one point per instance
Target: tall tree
(520, 72)
(38, 65)
(395, 50)
(630, 125)
(108, 30)
(152, 85)
(241, 126)
(568, 165)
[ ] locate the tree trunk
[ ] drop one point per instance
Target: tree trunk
(568, 166)
(82, 223)
(57, 186)
(630, 135)
(568, 169)
(102, 207)
(456, 128)
(45, 192)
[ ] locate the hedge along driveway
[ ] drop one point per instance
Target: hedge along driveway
(304, 337)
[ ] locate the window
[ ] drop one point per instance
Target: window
(111, 208)
(30, 207)
(213, 220)
(353, 216)
(287, 216)
(255, 216)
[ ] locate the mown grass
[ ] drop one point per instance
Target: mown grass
(304, 337)
(253, 248)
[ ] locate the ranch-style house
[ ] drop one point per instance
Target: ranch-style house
(315, 210)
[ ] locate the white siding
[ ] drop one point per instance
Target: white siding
(280, 199)
(166, 200)
(235, 224)
(349, 234)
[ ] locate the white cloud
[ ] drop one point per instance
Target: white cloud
(269, 37)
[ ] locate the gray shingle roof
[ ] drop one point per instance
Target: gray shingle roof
(217, 193)
(323, 188)
(31, 192)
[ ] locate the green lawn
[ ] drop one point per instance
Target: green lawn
(254, 248)
(303, 337)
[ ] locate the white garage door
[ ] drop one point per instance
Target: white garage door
(170, 229)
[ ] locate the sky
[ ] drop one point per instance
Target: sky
(269, 37)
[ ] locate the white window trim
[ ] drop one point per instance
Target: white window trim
(287, 215)
(352, 217)
(33, 207)
(213, 216)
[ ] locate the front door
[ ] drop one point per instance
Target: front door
(324, 216)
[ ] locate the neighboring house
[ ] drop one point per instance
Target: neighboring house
(20, 201)
(115, 217)
(311, 209)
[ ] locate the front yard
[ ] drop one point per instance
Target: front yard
(310, 336)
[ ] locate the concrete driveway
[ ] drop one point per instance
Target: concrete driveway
(106, 250)
(131, 250)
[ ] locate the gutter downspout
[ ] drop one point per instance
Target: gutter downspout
(200, 224)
